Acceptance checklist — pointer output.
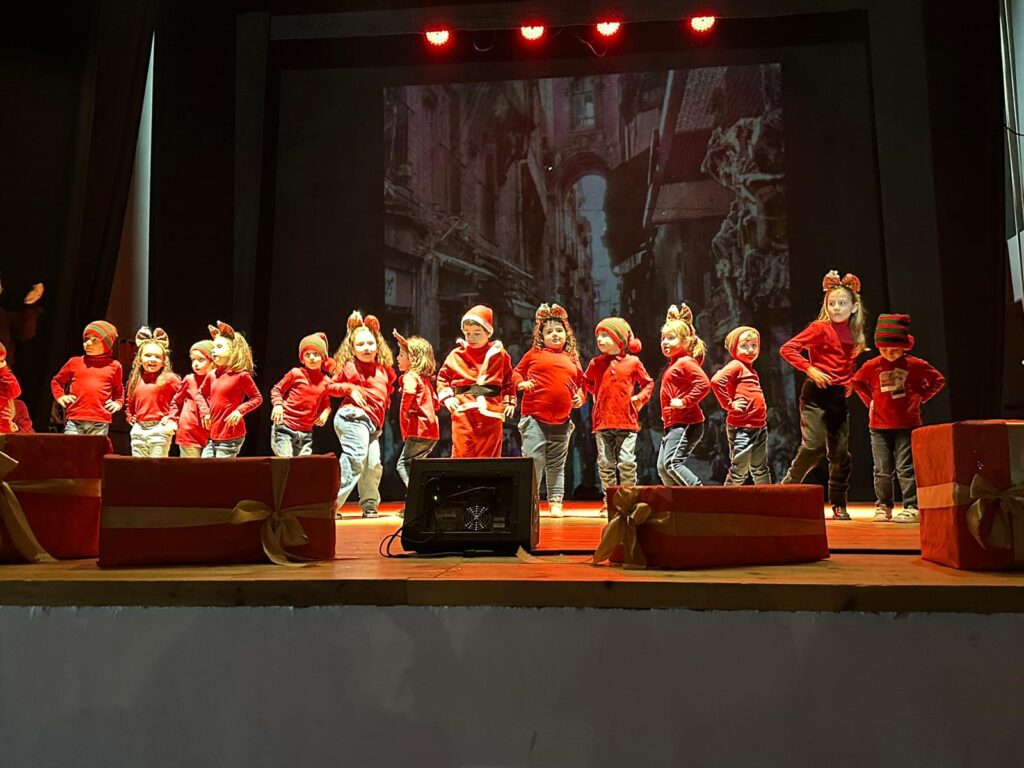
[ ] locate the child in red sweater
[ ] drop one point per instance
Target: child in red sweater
(152, 385)
(419, 406)
(9, 391)
(738, 390)
(475, 385)
(832, 343)
(363, 380)
(301, 400)
(20, 419)
(621, 386)
(551, 379)
(189, 411)
(90, 387)
(229, 391)
(683, 385)
(893, 386)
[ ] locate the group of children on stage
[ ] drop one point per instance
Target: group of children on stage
(478, 385)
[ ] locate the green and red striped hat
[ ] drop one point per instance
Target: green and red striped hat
(104, 331)
(893, 331)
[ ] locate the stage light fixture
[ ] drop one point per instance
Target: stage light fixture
(532, 33)
(608, 28)
(438, 37)
(702, 23)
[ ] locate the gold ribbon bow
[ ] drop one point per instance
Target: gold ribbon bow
(629, 514)
(281, 526)
(13, 516)
(996, 518)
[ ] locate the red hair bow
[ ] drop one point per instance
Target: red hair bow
(221, 329)
(356, 319)
(832, 280)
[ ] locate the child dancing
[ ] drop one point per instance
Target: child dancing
(152, 386)
(831, 344)
(229, 391)
(419, 406)
(90, 387)
(551, 379)
(893, 386)
(300, 399)
(738, 390)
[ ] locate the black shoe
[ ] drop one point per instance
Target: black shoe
(840, 513)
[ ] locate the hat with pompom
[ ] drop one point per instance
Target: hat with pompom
(619, 330)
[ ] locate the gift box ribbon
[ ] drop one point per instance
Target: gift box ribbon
(630, 513)
(281, 526)
(995, 517)
(13, 516)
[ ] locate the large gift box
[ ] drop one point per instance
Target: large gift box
(709, 526)
(50, 496)
(216, 511)
(970, 491)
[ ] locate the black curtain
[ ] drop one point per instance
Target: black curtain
(966, 103)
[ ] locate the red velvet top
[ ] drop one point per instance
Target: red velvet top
(376, 382)
(556, 377)
(22, 419)
(686, 380)
(188, 407)
(614, 380)
(303, 395)
(93, 380)
(829, 347)
(739, 381)
(894, 392)
(151, 401)
(9, 390)
(225, 391)
(489, 366)
(418, 409)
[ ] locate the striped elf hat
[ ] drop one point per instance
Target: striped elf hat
(104, 331)
(204, 347)
(893, 331)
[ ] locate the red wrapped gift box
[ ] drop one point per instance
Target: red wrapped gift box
(216, 511)
(709, 526)
(55, 507)
(970, 492)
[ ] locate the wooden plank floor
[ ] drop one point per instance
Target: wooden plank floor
(846, 582)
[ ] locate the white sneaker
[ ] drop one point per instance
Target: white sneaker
(555, 509)
(906, 516)
(883, 514)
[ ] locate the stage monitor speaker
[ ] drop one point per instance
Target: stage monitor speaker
(457, 505)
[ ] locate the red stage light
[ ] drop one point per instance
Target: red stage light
(608, 28)
(702, 23)
(532, 33)
(438, 36)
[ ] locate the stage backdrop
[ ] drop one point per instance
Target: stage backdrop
(615, 194)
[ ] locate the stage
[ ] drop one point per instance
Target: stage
(874, 567)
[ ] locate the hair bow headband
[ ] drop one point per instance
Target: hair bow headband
(682, 312)
(221, 329)
(356, 319)
(551, 312)
(402, 341)
(833, 280)
(158, 335)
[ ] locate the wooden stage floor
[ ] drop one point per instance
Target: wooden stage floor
(875, 567)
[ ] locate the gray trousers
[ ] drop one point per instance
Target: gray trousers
(150, 439)
(890, 450)
(824, 431)
(285, 441)
(76, 427)
(616, 450)
(223, 449)
(548, 446)
(360, 456)
(414, 448)
(748, 454)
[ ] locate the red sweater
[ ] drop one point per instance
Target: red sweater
(151, 401)
(684, 379)
(829, 348)
(738, 381)
(894, 392)
(225, 391)
(613, 380)
(303, 395)
(375, 381)
(9, 390)
(418, 410)
(462, 370)
(93, 379)
(556, 378)
(188, 408)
